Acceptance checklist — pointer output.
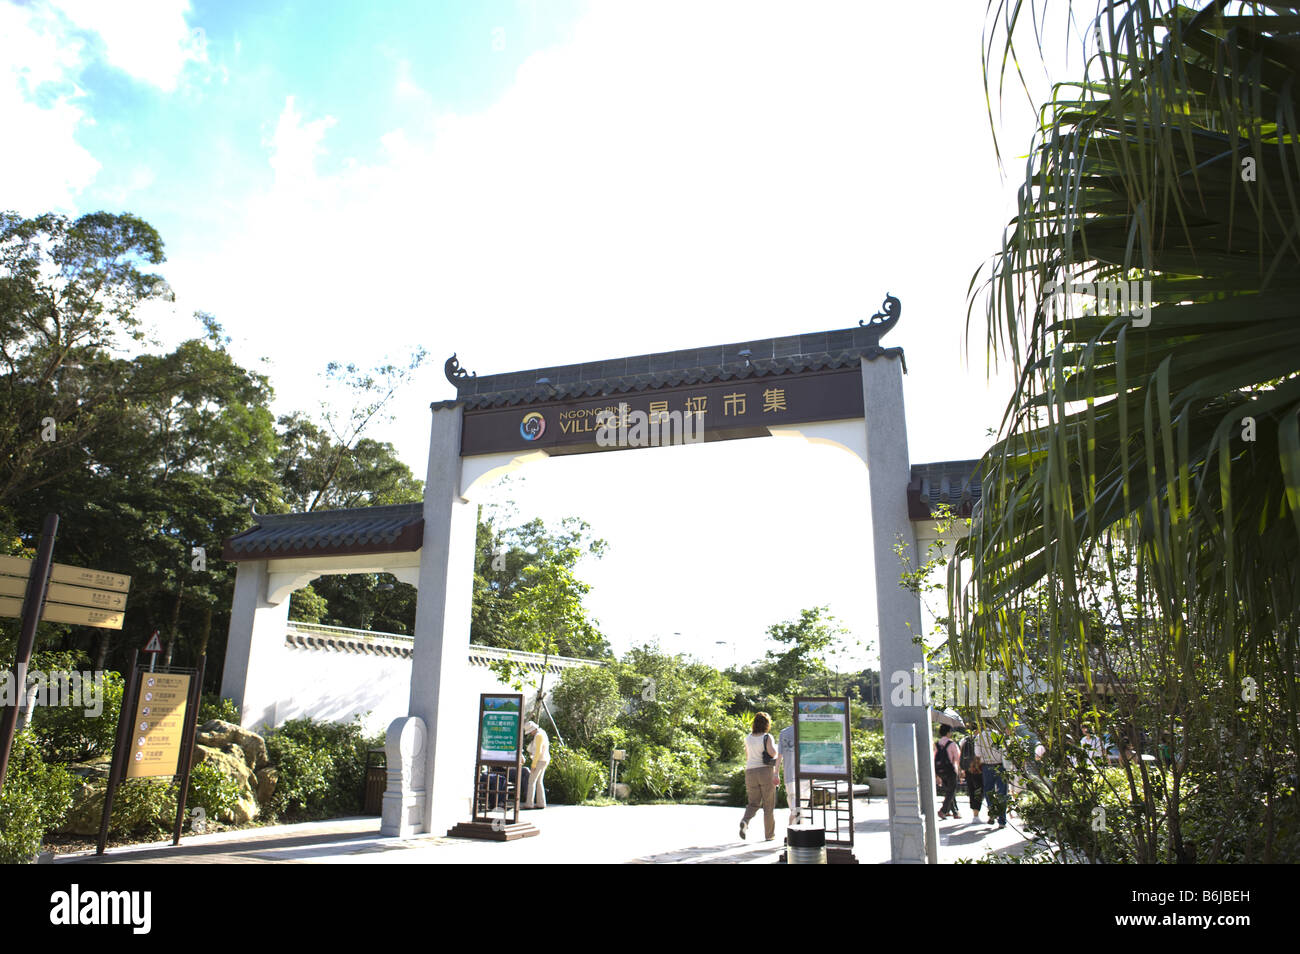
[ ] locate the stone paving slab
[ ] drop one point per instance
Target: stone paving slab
(618, 834)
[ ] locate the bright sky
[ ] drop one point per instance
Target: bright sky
(530, 184)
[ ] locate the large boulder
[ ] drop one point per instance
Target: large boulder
(219, 735)
(267, 778)
(232, 763)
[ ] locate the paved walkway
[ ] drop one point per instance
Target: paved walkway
(639, 834)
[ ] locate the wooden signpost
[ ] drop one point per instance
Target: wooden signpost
(155, 735)
(41, 590)
(494, 813)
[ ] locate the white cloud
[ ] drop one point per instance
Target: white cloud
(149, 40)
(42, 166)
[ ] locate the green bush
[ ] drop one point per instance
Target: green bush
(572, 777)
(605, 742)
(321, 766)
(212, 706)
(67, 734)
(660, 772)
(868, 754)
(213, 791)
(143, 807)
(586, 703)
(35, 797)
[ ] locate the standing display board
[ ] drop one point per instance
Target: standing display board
(824, 757)
(498, 771)
(155, 735)
(159, 726)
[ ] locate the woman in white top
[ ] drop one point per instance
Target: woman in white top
(760, 776)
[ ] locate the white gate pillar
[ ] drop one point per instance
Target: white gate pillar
(910, 777)
(439, 693)
(254, 647)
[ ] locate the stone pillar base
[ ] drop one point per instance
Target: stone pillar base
(906, 826)
(405, 798)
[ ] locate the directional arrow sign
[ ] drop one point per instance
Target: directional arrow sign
(72, 615)
(73, 575)
(63, 593)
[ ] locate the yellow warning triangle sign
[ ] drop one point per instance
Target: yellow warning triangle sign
(154, 645)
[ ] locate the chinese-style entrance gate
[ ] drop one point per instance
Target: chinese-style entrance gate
(839, 387)
(835, 387)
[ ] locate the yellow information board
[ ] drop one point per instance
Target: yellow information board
(159, 725)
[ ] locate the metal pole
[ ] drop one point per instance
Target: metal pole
(37, 584)
(121, 746)
(187, 749)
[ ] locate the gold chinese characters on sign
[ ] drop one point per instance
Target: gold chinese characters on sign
(159, 725)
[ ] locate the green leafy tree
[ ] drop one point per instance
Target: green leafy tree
(1139, 541)
(800, 665)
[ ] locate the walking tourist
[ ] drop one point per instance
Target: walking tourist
(970, 767)
(947, 756)
(540, 751)
(760, 776)
(995, 779)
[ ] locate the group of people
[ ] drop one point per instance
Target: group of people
(978, 763)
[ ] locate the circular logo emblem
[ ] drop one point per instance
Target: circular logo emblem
(533, 426)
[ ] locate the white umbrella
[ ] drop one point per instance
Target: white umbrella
(950, 717)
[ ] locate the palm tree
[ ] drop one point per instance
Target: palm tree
(1140, 522)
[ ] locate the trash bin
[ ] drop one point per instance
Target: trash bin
(376, 781)
(805, 845)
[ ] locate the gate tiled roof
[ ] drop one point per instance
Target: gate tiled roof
(821, 351)
(397, 528)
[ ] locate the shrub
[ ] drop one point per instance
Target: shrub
(659, 772)
(572, 777)
(605, 742)
(142, 807)
(213, 791)
(321, 765)
(35, 797)
(586, 703)
(868, 754)
(67, 734)
(212, 706)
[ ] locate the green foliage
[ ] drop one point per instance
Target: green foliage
(68, 734)
(322, 768)
(212, 706)
(659, 772)
(213, 791)
(35, 797)
(586, 703)
(512, 560)
(868, 754)
(572, 777)
(1135, 563)
(143, 807)
(807, 640)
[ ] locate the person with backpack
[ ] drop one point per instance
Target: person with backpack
(946, 757)
(971, 768)
(760, 776)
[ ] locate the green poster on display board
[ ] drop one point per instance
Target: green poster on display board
(822, 734)
(499, 728)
